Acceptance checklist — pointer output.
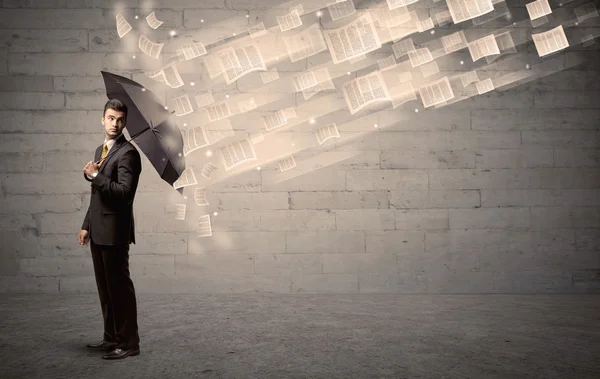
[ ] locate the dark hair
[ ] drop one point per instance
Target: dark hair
(116, 105)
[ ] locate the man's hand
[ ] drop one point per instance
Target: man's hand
(83, 237)
(90, 168)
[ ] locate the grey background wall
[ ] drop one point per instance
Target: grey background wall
(497, 193)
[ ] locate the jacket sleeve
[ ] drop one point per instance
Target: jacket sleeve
(86, 221)
(129, 169)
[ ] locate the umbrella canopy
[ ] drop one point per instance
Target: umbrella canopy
(150, 125)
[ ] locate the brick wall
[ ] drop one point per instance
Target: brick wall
(495, 193)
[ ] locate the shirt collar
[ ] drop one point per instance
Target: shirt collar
(110, 143)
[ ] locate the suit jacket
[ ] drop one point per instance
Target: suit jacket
(109, 218)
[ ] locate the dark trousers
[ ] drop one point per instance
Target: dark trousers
(117, 295)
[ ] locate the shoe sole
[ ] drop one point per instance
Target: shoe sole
(102, 349)
(107, 348)
(122, 357)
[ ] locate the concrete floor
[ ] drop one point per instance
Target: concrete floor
(309, 336)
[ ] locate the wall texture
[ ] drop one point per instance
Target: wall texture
(497, 193)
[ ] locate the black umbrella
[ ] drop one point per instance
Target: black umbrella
(150, 125)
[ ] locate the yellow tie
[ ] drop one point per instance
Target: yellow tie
(104, 151)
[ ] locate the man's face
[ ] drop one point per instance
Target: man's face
(113, 122)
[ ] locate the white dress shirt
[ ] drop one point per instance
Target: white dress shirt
(109, 144)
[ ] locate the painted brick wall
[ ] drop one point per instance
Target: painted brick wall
(496, 193)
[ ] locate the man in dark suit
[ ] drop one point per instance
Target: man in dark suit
(108, 226)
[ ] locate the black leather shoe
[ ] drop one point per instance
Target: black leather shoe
(121, 353)
(104, 345)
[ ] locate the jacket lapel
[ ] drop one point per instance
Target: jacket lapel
(107, 160)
